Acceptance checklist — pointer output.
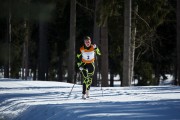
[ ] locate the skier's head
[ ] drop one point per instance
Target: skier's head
(87, 41)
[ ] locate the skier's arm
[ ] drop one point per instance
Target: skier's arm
(97, 51)
(78, 58)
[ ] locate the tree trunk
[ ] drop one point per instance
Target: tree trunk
(178, 42)
(104, 58)
(34, 71)
(157, 74)
(25, 71)
(96, 37)
(127, 43)
(71, 60)
(60, 71)
(7, 65)
(133, 44)
(111, 79)
(175, 74)
(43, 57)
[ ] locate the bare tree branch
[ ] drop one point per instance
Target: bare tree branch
(78, 3)
(142, 19)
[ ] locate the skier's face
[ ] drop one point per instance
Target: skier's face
(87, 42)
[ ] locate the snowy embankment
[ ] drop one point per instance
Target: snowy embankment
(41, 100)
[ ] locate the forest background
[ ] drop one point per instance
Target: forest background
(39, 39)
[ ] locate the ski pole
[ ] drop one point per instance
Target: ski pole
(101, 88)
(71, 90)
(72, 86)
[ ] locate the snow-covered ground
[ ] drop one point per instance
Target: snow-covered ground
(42, 100)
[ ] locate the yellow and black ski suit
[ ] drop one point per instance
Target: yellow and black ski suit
(85, 60)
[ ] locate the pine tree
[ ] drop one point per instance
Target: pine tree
(8, 41)
(43, 55)
(25, 55)
(96, 38)
(178, 41)
(127, 43)
(71, 59)
(104, 58)
(104, 42)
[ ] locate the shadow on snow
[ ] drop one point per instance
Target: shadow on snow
(151, 110)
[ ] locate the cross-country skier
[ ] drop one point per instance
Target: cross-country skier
(85, 62)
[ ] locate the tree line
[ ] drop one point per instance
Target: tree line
(138, 39)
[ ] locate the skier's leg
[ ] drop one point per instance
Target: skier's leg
(84, 91)
(87, 91)
(91, 69)
(85, 76)
(88, 88)
(84, 88)
(87, 73)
